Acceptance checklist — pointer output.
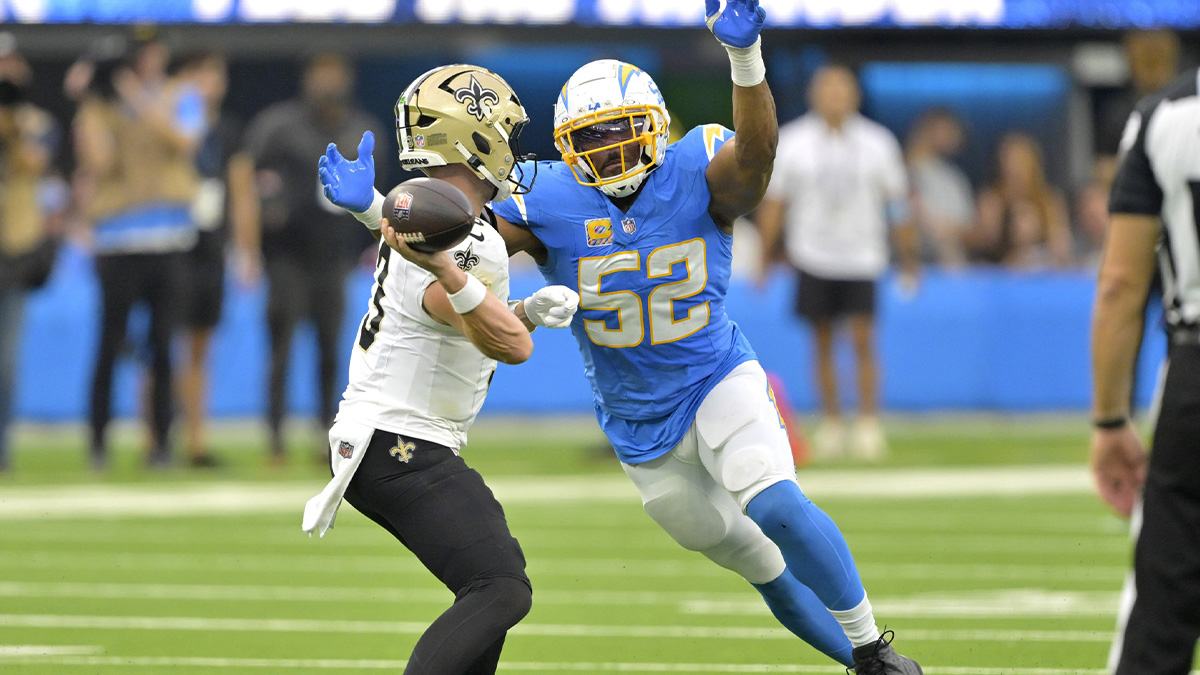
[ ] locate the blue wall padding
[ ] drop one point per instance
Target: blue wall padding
(982, 339)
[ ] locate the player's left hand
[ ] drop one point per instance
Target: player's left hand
(738, 24)
(552, 306)
(1118, 467)
(350, 185)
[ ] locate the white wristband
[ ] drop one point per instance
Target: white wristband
(373, 215)
(468, 297)
(746, 64)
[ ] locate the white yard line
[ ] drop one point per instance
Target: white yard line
(301, 563)
(1004, 603)
(329, 626)
(7, 651)
(1008, 603)
(505, 666)
(229, 498)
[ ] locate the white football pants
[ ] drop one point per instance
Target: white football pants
(698, 492)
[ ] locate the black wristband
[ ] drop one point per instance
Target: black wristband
(1110, 423)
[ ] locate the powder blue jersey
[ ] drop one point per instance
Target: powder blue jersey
(651, 324)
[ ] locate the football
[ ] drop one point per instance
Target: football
(429, 214)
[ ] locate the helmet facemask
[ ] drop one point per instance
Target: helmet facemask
(611, 150)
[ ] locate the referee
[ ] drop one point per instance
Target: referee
(1155, 204)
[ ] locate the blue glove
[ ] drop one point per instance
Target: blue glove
(350, 185)
(738, 25)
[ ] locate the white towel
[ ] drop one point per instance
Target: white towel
(347, 445)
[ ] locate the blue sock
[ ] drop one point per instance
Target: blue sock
(803, 613)
(812, 546)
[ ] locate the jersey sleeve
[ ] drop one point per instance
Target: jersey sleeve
(492, 267)
(1135, 189)
(706, 140)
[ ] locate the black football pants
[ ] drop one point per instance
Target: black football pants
(443, 512)
(1164, 625)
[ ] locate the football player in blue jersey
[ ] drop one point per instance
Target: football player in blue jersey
(642, 232)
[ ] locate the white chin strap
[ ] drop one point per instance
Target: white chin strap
(504, 188)
(624, 187)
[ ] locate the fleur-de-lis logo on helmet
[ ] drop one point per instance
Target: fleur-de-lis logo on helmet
(479, 100)
(466, 259)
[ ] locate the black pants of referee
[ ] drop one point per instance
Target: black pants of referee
(1164, 624)
(438, 507)
(296, 291)
(126, 280)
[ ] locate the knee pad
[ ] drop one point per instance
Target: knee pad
(755, 557)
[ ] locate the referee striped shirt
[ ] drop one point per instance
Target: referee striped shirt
(1159, 175)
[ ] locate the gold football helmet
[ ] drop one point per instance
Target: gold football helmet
(463, 114)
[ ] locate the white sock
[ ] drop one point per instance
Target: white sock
(858, 623)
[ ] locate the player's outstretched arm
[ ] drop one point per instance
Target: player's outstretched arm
(461, 301)
(351, 185)
(739, 173)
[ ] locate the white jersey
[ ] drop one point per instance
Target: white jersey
(838, 186)
(409, 374)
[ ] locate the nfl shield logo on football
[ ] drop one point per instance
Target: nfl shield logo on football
(345, 449)
(628, 225)
(403, 205)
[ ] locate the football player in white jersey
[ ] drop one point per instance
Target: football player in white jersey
(426, 350)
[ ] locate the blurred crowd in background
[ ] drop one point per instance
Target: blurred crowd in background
(145, 167)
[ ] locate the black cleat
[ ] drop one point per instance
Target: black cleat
(878, 658)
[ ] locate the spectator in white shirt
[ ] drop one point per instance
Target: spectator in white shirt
(839, 189)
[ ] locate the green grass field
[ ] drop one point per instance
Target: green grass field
(979, 542)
